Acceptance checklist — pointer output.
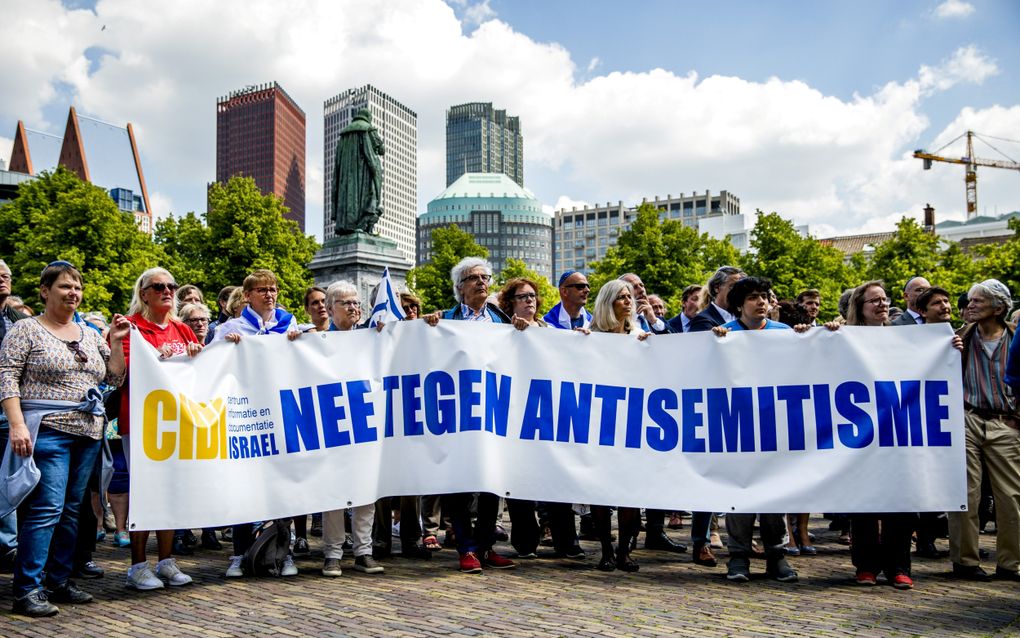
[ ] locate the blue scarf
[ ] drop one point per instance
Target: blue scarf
(282, 317)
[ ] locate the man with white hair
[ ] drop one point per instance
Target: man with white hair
(471, 278)
(991, 421)
(8, 315)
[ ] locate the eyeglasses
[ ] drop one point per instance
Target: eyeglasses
(526, 296)
(584, 286)
(79, 355)
(878, 301)
(162, 287)
(409, 309)
(266, 290)
(624, 298)
(350, 303)
(483, 278)
(197, 320)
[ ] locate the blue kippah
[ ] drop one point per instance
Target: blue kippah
(564, 276)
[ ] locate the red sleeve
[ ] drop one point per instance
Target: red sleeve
(124, 416)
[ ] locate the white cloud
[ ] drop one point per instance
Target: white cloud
(478, 13)
(594, 63)
(162, 206)
(967, 64)
(836, 163)
(954, 9)
(6, 148)
(565, 202)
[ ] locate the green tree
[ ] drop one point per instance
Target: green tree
(667, 255)
(1001, 261)
(244, 230)
(58, 216)
(431, 282)
(913, 252)
(795, 263)
(517, 268)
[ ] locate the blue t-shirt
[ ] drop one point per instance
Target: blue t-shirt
(769, 325)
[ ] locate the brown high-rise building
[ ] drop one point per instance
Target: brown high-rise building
(260, 133)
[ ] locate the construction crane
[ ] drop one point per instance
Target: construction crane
(971, 162)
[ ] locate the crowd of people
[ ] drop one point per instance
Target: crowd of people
(66, 431)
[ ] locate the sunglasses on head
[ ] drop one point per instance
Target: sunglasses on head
(162, 287)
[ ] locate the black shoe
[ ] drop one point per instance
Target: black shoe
(1007, 574)
(664, 543)
(983, 554)
(380, 551)
(69, 593)
(501, 534)
(316, 530)
(209, 540)
(607, 564)
(575, 553)
(348, 543)
(970, 573)
(779, 569)
(415, 551)
(35, 604)
(928, 550)
(180, 548)
(88, 570)
(190, 539)
(627, 564)
(227, 534)
(738, 570)
(301, 547)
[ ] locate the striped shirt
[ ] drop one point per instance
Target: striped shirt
(983, 376)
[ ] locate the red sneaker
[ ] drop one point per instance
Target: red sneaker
(866, 578)
(469, 563)
(902, 581)
(495, 561)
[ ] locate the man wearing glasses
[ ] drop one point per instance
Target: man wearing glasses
(471, 278)
(570, 313)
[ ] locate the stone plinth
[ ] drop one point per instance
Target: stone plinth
(360, 258)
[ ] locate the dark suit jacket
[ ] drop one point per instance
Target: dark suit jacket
(706, 320)
(676, 324)
(906, 319)
(11, 314)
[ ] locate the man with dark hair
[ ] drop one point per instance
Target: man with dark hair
(811, 301)
(911, 291)
(570, 313)
(689, 299)
(934, 306)
(991, 421)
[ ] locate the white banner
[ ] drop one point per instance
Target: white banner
(859, 420)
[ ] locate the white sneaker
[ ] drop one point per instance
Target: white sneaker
(235, 571)
(168, 571)
(140, 577)
(288, 568)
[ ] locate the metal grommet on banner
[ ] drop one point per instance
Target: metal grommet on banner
(508, 494)
(963, 508)
(349, 504)
(323, 334)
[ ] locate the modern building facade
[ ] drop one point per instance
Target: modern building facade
(97, 152)
(260, 133)
(398, 127)
(481, 139)
(584, 235)
(500, 214)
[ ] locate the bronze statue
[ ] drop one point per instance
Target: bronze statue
(357, 176)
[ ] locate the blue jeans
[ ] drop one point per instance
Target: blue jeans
(9, 523)
(49, 516)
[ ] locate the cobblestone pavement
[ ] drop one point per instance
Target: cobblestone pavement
(670, 596)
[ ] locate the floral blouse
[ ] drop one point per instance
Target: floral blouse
(35, 364)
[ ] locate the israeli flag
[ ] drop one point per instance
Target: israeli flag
(386, 305)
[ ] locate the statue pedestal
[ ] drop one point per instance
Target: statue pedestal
(360, 258)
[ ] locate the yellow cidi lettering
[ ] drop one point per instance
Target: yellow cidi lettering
(203, 429)
(160, 406)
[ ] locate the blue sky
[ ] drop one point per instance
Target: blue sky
(807, 108)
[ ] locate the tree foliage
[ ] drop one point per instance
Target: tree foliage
(431, 281)
(58, 216)
(1002, 261)
(667, 255)
(244, 230)
(795, 263)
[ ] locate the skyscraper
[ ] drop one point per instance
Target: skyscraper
(260, 133)
(480, 139)
(398, 127)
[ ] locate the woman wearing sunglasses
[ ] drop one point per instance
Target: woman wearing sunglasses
(50, 366)
(153, 313)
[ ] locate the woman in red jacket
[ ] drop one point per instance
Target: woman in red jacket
(153, 314)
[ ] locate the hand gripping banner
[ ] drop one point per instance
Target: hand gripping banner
(857, 420)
